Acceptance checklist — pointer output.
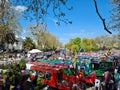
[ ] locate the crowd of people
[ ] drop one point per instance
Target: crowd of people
(18, 78)
(111, 80)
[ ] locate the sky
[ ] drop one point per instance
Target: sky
(85, 21)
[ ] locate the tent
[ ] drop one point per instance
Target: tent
(34, 51)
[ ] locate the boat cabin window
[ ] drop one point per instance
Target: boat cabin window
(41, 74)
(47, 76)
(60, 77)
(95, 66)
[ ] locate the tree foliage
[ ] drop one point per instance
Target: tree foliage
(99, 43)
(115, 17)
(74, 47)
(102, 19)
(88, 44)
(44, 38)
(28, 44)
(108, 42)
(74, 43)
(9, 25)
(39, 9)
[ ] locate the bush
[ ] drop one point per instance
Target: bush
(22, 64)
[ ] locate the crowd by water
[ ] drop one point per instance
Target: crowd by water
(14, 76)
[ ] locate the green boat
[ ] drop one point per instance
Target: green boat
(100, 67)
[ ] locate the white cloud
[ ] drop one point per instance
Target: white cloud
(20, 8)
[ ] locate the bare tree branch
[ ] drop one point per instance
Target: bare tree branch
(103, 20)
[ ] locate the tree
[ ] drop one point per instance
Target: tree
(49, 41)
(88, 44)
(108, 42)
(68, 46)
(29, 44)
(44, 38)
(39, 9)
(9, 25)
(103, 42)
(74, 47)
(115, 41)
(53, 41)
(101, 18)
(115, 17)
(76, 41)
(38, 33)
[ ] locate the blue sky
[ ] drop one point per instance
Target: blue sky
(86, 23)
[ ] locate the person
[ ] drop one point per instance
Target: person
(117, 79)
(108, 82)
(109, 52)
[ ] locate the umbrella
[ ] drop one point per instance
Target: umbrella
(34, 51)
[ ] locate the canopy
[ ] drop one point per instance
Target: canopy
(28, 65)
(34, 51)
